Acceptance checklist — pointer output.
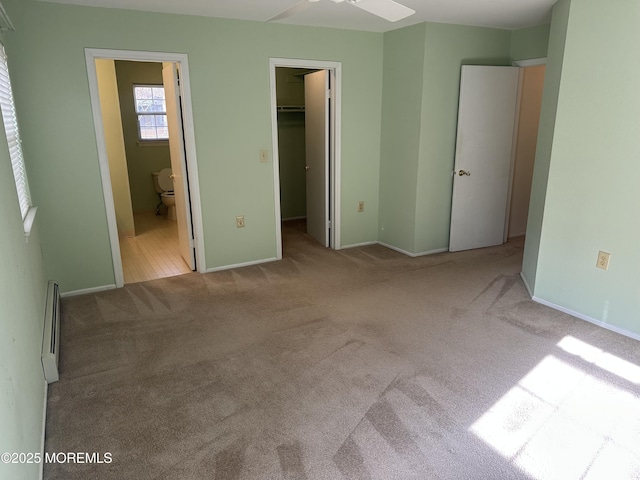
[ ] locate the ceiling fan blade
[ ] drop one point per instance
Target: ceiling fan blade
(296, 8)
(387, 9)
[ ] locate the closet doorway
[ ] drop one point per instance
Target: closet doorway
(305, 119)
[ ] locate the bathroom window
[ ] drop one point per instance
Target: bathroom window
(151, 109)
(15, 146)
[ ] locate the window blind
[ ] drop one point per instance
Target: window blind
(13, 135)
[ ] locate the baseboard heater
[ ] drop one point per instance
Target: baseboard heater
(51, 335)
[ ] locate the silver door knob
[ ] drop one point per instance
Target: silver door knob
(306, 168)
(464, 172)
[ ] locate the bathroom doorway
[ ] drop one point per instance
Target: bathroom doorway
(142, 116)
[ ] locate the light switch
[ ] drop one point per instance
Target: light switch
(264, 156)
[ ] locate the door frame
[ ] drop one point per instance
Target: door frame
(335, 160)
(193, 188)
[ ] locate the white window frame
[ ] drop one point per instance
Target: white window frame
(139, 114)
(12, 132)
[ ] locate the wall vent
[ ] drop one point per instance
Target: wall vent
(51, 335)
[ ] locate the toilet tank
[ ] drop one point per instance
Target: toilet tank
(162, 181)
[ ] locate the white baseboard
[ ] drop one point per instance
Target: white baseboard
(240, 265)
(88, 290)
(355, 245)
(430, 252)
(600, 323)
(409, 254)
(44, 426)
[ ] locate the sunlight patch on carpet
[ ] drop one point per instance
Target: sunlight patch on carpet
(545, 424)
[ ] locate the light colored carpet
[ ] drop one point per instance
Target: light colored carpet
(357, 364)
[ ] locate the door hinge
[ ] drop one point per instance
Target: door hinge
(329, 224)
(329, 93)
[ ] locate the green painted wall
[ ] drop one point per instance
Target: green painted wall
(592, 193)
(532, 42)
(142, 159)
(419, 120)
(400, 137)
(447, 48)
(292, 156)
(23, 285)
(229, 65)
(553, 74)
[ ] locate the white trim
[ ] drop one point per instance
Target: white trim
(413, 255)
(531, 62)
(44, 429)
(599, 323)
(430, 252)
(335, 70)
(29, 218)
(84, 291)
(240, 265)
(181, 59)
(336, 167)
(399, 250)
(526, 285)
(363, 244)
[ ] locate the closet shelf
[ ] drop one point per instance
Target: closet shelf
(290, 108)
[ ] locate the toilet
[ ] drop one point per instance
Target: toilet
(163, 183)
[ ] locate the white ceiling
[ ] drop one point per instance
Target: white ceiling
(506, 14)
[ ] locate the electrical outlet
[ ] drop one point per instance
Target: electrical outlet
(264, 156)
(360, 206)
(603, 260)
(240, 221)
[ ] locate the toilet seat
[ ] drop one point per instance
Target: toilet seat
(164, 180)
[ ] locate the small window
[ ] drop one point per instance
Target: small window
(15, 146)
(151, 109)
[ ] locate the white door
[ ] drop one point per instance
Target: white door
(486, 117)
(178, 163)
(316, 100)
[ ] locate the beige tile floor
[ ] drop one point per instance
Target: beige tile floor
(153, 252)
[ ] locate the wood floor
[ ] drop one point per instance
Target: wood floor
(153, 252)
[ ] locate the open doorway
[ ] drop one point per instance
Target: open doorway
(141, 181)
(531, 84)
(305, 104)
(142, 118)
